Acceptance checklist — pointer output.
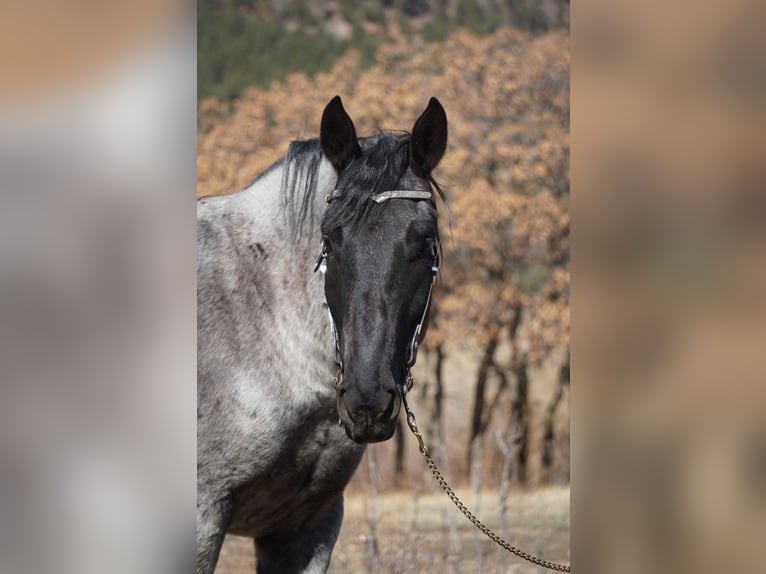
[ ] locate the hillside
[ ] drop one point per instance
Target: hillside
(243, 43)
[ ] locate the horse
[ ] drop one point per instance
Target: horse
(299, 370)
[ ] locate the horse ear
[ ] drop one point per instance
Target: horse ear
(338, 136)
(429, 139)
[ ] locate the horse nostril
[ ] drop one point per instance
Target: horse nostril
(391, 408)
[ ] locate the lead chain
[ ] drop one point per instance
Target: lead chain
(458, 503)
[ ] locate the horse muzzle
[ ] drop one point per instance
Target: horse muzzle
(368, 417)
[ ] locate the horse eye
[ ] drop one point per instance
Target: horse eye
(326, 246)
(429, 248)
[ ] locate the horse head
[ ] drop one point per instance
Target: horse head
(380, 254)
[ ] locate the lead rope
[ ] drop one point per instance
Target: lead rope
(454, 498)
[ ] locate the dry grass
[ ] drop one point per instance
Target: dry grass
(423, 533)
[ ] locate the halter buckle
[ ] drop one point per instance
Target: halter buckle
(321, 261)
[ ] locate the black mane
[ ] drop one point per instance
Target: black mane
(299, 181)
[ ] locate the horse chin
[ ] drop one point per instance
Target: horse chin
(362, 434)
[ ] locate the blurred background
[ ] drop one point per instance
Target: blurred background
(492, 383)
(97, 276)
(98, 110)
(669, 416)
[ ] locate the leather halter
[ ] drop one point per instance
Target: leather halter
(321, 266)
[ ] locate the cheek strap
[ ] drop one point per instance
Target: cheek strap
(415, 341)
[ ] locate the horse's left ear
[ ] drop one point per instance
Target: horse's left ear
(429, 139)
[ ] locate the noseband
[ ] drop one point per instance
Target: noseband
(321, 266)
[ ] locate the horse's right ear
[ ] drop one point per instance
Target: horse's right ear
(338, 136)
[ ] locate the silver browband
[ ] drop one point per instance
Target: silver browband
(393, 194)
(401, 194)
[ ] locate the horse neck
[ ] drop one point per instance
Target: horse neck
(277, 212)
(291, 251)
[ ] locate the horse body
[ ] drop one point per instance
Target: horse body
(272, 458)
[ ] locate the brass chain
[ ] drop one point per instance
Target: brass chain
(458, 503)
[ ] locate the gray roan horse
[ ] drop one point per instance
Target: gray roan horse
(277, 437)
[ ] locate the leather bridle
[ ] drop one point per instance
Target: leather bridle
(321, 266)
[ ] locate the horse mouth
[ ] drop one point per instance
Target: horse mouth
(366, 424)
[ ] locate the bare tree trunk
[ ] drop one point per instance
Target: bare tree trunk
(398, 453)
(437, 421)
(477, 427)
(520, 419)
(504, 444)
(548, 422)
(371, 550)
(476, 485)
(451, 538)
(519, 422)
(501, 388)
